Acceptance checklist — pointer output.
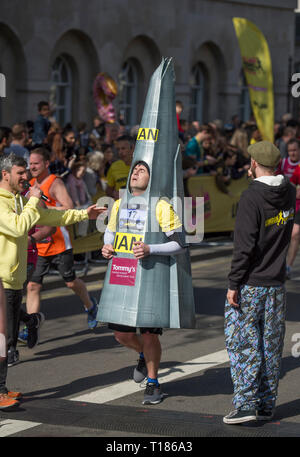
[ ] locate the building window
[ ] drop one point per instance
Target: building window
(62, 90)
(297, 28)
(297, 67)
(128, 96)
(198, 84)
(245, 104)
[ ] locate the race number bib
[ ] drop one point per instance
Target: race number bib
(133, 218)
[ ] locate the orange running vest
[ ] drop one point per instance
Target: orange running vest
(60, 240)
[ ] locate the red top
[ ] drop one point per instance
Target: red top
(295, 179)
(178, 124)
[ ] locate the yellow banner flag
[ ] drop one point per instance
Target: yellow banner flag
(257, 68)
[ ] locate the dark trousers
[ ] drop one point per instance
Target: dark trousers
(13, 307)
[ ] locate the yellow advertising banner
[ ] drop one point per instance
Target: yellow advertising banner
(257, 68)
(84, 236)
(219, 208)
(91, 241)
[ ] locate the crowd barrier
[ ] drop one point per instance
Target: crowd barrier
(219, 208)
(84, 236)
(219, 211)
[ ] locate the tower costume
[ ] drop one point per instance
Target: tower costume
(157, 290)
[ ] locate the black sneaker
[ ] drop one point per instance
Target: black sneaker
(12, 357)
(153, 394)
(140, 371)
(36, 320)
(238, 416)
(264, 414)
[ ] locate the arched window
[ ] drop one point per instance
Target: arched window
(245, 104)
(128, 96)
(62, 90)
(2, 85)
(198, 84)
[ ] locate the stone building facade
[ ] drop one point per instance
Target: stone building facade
(54, 48)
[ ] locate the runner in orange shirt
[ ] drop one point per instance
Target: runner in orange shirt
(57, 245)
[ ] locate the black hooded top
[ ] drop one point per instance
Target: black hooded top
(262, 234)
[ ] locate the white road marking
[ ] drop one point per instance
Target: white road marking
(11, 426)
(122, 389)
(129, 387)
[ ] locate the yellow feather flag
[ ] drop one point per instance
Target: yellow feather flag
(257, 68)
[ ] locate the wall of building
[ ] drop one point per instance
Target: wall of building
(100, 35)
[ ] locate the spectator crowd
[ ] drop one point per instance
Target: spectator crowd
(95, 160)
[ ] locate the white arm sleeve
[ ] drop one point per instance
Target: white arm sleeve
(170, 248)
(109, 237)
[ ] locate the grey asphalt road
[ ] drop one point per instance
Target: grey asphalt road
(71, 361)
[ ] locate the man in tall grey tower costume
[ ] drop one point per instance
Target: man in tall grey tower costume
(148, 283)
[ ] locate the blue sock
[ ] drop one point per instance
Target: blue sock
(141, 355)
(153, 381)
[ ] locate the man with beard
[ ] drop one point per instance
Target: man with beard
(18, 216)
(255, 306)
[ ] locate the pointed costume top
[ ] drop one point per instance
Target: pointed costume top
(157, 139)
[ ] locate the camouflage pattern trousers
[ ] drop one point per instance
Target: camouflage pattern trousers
(254, 335)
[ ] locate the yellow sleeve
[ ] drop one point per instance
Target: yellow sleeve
(166, 216)
(112, 224)
(57, 218)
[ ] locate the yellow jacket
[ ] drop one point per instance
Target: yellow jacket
(17, 216)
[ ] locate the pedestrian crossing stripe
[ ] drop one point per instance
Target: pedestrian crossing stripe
(11, 426)
(106, 394)
(124, 388)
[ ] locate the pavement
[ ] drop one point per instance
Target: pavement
(78, 383)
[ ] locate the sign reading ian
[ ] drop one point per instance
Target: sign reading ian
(124, 242)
